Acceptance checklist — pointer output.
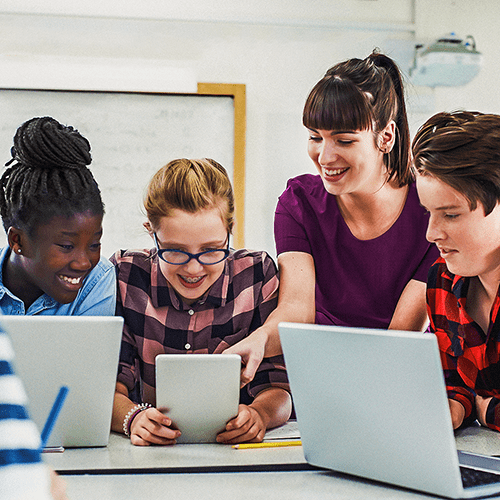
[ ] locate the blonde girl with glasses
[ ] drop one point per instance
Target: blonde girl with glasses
(191, 293)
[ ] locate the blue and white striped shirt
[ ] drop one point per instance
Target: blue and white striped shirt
(22, 472)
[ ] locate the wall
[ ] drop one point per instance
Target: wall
(277, 49)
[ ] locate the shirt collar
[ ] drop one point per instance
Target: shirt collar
(459, 284)
(3, 257)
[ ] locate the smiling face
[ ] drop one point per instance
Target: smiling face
(193, 233)
(350, 161)
(468, 240)
(56, 259)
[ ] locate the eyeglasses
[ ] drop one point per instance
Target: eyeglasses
(179, 257)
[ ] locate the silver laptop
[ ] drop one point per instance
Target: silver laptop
(373, 403)
(200, 391)
(80, 352)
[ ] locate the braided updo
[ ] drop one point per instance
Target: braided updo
(47, 176)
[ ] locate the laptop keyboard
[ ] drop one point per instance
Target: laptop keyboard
(473, 477)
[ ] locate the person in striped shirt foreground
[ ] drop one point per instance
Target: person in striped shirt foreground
(22, 472)
(457, 157)
(193, 294)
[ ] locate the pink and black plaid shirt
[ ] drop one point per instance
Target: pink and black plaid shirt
(157, 321)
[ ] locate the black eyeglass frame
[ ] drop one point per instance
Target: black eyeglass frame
(189, 256)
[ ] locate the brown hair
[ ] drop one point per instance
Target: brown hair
(189, 185)
(462, 149)
(364, 94)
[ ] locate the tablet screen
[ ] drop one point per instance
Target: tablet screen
(199, 392)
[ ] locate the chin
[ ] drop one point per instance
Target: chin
(459, 270)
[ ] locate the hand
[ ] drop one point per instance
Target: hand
(57, 486)
(247, 426)
(251, 349)
(151, 426)
(481, 407)
(457, 411)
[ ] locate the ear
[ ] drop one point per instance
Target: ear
(149, 229)
(16, 239)
(387, 137)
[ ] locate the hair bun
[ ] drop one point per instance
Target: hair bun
(46, 144)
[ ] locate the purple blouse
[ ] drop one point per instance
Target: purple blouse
(358, 282)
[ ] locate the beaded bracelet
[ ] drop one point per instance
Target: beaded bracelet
(127, 421)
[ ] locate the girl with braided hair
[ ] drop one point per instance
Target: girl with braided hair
(351, 241)
(52, 212)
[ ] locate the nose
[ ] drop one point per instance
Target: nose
(327, 152)
(434, 231)
(193, 267)
(82, 261)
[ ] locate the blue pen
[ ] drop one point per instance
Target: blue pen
(54, 413)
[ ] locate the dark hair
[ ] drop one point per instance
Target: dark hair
(47, 176)
(462, 149)
(364, 94)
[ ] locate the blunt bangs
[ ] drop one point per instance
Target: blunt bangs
(337, 104)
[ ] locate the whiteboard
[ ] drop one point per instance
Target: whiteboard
(132, 135)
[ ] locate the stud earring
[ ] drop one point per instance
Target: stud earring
(19, 250)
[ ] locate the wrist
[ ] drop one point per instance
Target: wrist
(130, 416)
(457, 410)
(261, 411)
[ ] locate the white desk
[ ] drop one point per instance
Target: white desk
(122, 457)
(479, 439)
(233, 486)
(212, 471)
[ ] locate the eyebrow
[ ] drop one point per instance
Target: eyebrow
(448, 207)
(444, 207)
(71, 233)
(335, 132)
(205, 244)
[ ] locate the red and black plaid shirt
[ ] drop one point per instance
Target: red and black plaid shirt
(470, 356)
(157, 321)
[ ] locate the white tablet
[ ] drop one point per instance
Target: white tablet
(201, 392)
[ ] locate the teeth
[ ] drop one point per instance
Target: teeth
(336, 171)
(192, 280)
(73, 281)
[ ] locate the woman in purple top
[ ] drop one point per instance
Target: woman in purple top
(351, 241)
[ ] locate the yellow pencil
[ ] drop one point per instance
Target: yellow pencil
(271, 444)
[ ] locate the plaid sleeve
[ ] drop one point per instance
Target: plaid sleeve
(127, 373)
(271, 372)
(456, 388)
(444, 322)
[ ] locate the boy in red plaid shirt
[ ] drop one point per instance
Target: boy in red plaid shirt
(457, 159)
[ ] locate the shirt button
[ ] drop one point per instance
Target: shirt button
(187, 346)
(190, 312)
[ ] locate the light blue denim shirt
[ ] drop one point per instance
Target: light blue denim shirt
(97, 297)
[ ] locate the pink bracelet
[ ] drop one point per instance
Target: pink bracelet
(127, 421)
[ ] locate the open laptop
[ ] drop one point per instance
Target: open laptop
(200, 391)
(373, 403)
(80, 352)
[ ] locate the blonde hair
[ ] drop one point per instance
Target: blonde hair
(189, 185)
